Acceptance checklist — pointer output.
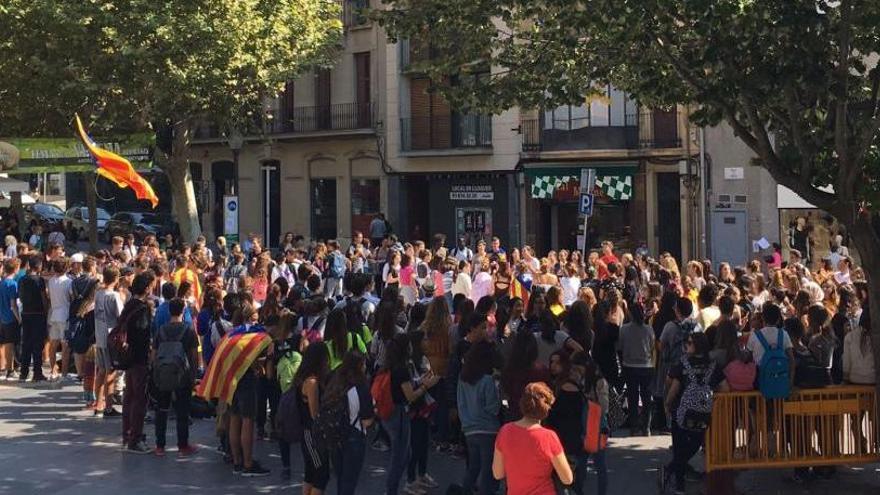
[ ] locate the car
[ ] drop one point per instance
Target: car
(139, 224)
(76, 222)
(45, 214)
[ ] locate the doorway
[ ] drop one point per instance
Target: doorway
(323, 203)
(668, 227)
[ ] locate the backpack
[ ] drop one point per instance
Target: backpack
(287, 421)
(233, 278)
(381, 392)
(117, 342)
(330, 428)
(83, 333)
(354, 316)
(774, 381)
(171, 370)
(337, 265)
(313, 333)
(695, 409)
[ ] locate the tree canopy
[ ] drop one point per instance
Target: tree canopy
(128, 63)
(797, 80)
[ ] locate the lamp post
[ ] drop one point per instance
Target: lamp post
(236, 142)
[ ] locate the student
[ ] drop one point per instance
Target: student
(478, 406)
(309, 379)
(108, 307)
(636, 344)
(172, 333)
(528, 454)
(137, 317)
(10, 330)
(349, 383)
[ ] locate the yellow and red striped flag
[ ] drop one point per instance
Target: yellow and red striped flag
(517, 289)
(234, 355)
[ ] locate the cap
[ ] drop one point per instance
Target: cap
(77, 258)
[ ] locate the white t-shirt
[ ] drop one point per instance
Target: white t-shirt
(108, 307)
(570, 288)
(59, 298)
(770, 334)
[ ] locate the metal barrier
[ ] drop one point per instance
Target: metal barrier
(814, 427)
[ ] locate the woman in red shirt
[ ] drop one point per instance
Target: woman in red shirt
(526, 453)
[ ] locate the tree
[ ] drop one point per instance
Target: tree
(796, 80)
(130, 65)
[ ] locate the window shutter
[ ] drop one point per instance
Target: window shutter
(322, 99)
(420, 114)
(363, 90)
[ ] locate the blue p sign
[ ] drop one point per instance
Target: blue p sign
(586, 204)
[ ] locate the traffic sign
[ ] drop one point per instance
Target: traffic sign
(586, 204)
(588, 180)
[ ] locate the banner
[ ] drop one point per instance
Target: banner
(43, 155)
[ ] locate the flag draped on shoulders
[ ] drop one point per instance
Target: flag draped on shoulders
(517, 289)
(234, 355)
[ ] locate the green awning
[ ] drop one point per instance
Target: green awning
(614, 180)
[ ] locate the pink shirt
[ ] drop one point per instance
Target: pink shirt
(406, 275)
(528, 458)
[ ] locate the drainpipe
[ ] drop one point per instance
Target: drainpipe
(704, 198)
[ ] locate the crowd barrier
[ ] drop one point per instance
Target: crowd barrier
(814, 427)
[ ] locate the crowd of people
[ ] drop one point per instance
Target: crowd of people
(521, 365)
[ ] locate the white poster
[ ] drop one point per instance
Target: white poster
(230, 218)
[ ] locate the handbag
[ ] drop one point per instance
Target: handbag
(595, 429)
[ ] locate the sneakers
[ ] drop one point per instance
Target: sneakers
(186, 451)
(138, 448)
(427, 481)
(111, 413)
(413, 489)
(160, 451)
(255, 471)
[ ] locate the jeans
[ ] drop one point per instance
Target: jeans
(284, 450)
(481, 450)
(419, 443)
(398, 428)
(638, 385)
(349, 461)
(32, 340)
(685, 444)
(580, 472)
(441, 413)
(180, 399)
(134, 404)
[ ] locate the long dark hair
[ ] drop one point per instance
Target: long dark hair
(523, 354)
(315, 363)
(727, 340)
(397, 354)
(349, 374)
(548, 326)
(386, 320)
(579, 324)
(477, 362)
(336, 331)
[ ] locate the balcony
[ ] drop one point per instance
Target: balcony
(644, 129)
(450, 132)
(337, 117)
(413, 52)
(354, 13)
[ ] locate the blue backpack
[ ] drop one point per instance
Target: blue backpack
(337, 265)
(774, 378)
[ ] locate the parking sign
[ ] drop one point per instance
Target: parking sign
(586, 204)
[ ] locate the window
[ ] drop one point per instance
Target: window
(363, 89)
(364, 203)
(611, 108)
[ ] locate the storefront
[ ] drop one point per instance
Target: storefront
(554, 222)
(475, 206)
(804, 227)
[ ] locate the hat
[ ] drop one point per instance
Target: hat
(428, 286)
(77, 258)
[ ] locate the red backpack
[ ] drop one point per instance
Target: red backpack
(381, 391)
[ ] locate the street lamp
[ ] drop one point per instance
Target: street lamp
(236, 142)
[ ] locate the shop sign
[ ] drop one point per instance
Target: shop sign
(468, 192)
(45, 155)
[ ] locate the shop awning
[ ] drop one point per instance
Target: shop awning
(614, 179)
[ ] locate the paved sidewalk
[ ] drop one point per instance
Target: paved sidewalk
(50, 445)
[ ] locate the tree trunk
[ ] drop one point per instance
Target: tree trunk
(183, 195)
(91, 203)
(865, 240)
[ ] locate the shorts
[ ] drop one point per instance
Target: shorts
(10, 333)
(102, 359)
(57, 330)
(244, 400)
(316, 463)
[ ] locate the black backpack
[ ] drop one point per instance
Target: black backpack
(331, 426)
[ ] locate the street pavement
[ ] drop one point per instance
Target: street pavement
(50, 445)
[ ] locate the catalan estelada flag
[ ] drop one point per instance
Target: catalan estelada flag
(234, 355)
(116, 168)
(517, 289)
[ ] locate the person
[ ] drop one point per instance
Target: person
(34, 300)
(137, 317)
(59, 310)
(551, 339)
(636, 345)
(694, 370)
(108, 307)
(528, 454)
(858, 355)
(309, 379)
(339, 339)
(522, 368)
(799, 238)
(437, 347)
(162, 314)
(336, 271)
(349, 383)
(708, 311)
(462, 252)
(397, 363)
(378, 229)
(10, 330)
(463, 283)
(174, 332)
(478, 407)
(771, 315)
